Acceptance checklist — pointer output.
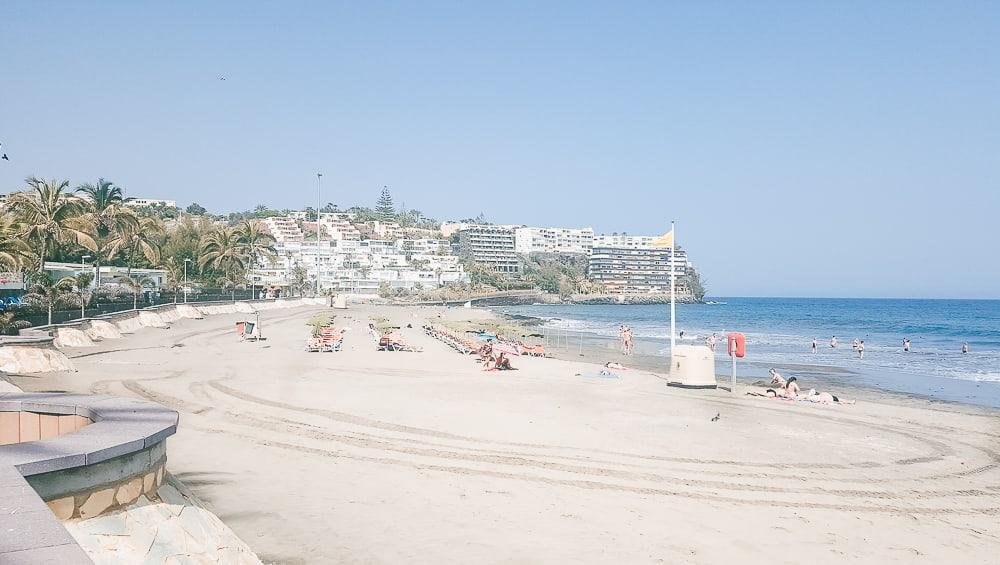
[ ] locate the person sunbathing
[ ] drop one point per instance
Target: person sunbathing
(613, 365)
(769, 393)
(823, 398)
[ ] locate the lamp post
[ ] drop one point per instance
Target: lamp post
(186, 261)
(83, 301)
(319, 200)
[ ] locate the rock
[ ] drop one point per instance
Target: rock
(62, 507)
(149, 482)
(110, 525)
(129, 491)
(97, 502)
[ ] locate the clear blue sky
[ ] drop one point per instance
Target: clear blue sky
(851, 149)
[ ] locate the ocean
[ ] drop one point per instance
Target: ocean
(780, 331)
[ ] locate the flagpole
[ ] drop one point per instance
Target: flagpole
(673, 246)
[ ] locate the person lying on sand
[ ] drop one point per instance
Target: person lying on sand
(823, 398)
(769, 393)
(613, 365)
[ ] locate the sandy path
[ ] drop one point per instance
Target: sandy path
(360, 456)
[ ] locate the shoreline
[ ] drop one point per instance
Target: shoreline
(850, 383)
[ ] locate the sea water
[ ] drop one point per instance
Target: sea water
(781, 330)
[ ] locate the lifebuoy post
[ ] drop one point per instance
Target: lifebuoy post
(737, 347)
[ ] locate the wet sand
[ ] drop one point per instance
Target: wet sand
(373, 457)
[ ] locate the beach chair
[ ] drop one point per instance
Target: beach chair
(330, 338)
(539, 351)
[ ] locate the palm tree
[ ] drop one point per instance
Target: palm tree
(221, 250)
(108, 215)
(175, 276)
(136, 286)
(144, 237)
(13, 251)
(81, 283)
(48, 216)
(232, 280)
(49, 291)
(255, 243)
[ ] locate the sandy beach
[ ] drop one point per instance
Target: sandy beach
(362, 456)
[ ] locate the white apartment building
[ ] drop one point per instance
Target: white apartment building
(624, 270)
(490, 245)
(624, 240)
(553, 240)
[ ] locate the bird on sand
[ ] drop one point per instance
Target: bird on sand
(5, 157)
(716, 418)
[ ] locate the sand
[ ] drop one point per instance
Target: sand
(373, 457)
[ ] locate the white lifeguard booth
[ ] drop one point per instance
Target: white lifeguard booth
(692, 366)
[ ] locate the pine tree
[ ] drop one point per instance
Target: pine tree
(384, 206)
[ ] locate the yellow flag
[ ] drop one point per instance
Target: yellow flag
(665, 241)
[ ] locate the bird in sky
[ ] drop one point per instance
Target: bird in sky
(222, 78)
(5, 157)
(716, 418)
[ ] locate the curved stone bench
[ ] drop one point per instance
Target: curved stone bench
(110, 451)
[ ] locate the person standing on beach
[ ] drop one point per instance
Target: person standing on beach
(712, 341)
(854, 344)
(833, 341)
(628, 341)
(621, 336)
(814, 345)
(965, 347)
(906, 345)
(861, 349)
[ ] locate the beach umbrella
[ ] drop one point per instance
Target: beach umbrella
(504, 348)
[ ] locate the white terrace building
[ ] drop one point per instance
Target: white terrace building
(553, 240)
(283, 228)
(360, 266)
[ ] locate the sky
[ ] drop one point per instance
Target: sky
(850, 149)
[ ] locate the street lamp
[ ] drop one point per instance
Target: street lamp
(186, 261)
(83, 301)
(319, 200)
